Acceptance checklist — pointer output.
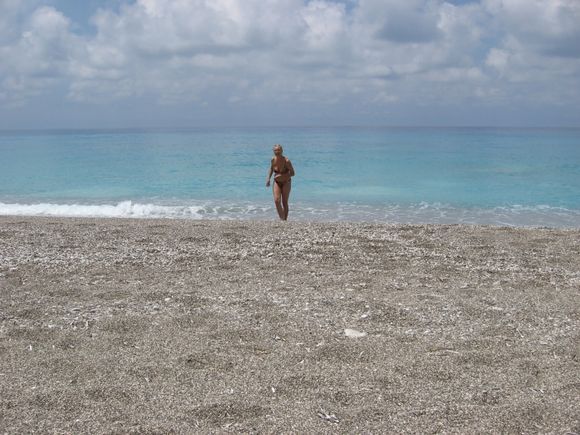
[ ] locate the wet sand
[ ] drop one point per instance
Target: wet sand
(175, 326)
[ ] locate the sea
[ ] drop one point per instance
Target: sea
(493, 176)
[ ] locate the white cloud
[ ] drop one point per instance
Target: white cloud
(39, 57)
(536, 59)
(550, 27)
(497, 59)
(11, 13)
(410, 21)
(326, 26)
(240, 52)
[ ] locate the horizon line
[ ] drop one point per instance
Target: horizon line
(313, 126)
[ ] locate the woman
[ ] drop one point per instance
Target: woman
(282, 167)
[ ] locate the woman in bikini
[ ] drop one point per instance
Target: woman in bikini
(283, 170)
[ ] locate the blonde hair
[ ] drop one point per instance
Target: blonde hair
(278, 146)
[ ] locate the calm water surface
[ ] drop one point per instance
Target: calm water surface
(429, 175)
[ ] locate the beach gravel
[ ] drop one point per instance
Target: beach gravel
(181, 326)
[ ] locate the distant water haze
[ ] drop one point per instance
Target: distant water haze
(521, 177)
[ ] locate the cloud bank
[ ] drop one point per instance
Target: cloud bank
(347, 58)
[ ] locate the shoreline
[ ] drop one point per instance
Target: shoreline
(274, 220)
(160, 325)
(422, 213)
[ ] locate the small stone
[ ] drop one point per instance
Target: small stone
(328, 417)
(353, 333)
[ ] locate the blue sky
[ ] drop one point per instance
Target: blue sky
(181, 63)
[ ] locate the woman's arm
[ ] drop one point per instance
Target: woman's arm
(270, 173)
(290, 168)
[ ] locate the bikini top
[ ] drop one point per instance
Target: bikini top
(284, 170)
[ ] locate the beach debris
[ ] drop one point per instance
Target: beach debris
(353, 333)
(328, 417)
(443, 349)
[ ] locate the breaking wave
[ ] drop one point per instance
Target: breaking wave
(514, 215)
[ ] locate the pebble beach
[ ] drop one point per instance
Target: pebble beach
(198, 326)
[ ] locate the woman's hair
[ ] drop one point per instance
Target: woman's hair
(278, 146)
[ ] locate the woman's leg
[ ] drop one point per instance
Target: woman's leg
(278, 199)
(285, 195)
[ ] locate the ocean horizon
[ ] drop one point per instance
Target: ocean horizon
(454, 175)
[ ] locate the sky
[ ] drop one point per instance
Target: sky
(195, 63)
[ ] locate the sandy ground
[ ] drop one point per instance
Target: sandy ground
(161, 326)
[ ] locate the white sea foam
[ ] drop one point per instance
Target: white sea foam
(423, 212)
(129, 209)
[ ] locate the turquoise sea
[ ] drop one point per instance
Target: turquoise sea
(516, 177)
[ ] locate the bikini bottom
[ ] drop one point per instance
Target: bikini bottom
(282, 183)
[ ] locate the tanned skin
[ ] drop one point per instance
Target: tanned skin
(282, 167)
